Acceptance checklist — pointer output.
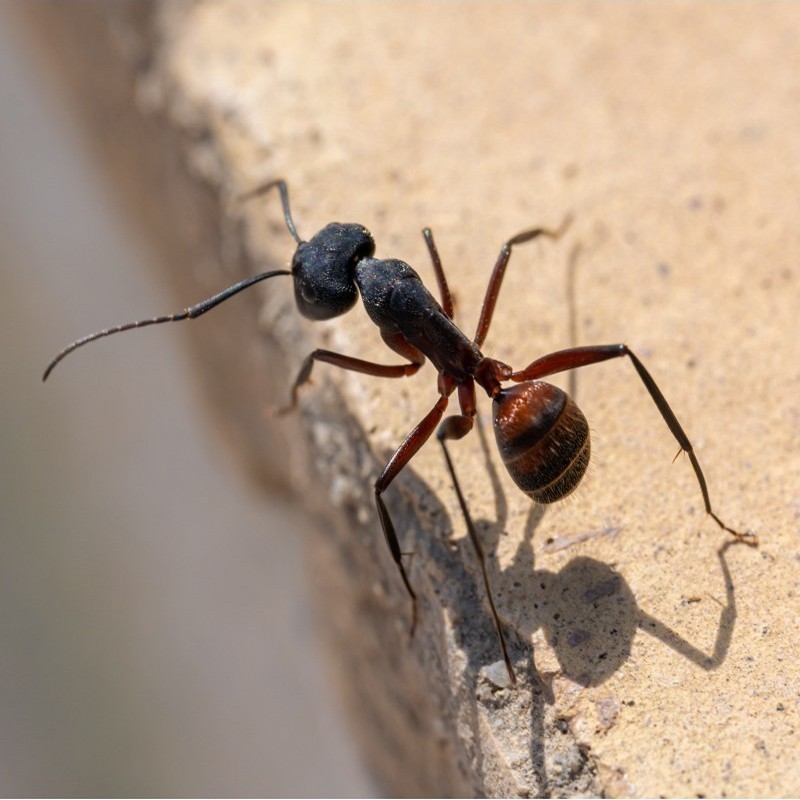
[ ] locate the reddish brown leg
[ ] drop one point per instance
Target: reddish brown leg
(576, 357)
(572, 268)
(407, 450)
(496, 281)
(456, 427)
(444, 289)
(350, 363)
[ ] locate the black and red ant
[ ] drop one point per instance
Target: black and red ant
(542, 435)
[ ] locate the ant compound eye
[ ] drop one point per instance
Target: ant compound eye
(308, 293)
(321, 294)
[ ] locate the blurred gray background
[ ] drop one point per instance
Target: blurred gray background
(156, 633)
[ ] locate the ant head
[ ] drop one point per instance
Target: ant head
(324, 269)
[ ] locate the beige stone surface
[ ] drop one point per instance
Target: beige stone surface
(672, 133)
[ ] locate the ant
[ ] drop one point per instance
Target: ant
(542, 435)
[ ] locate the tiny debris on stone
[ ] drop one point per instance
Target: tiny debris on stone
(497, 675)
(577, 637)
(608, 709)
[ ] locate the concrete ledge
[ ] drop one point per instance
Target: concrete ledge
(667, 663)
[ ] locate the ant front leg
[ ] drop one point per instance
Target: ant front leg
(453, 428)
(349, 363)
(576, 357)
(407, 450)
(395, 341)
(444, 289)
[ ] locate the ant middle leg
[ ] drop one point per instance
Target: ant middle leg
(407, 450)
(454, 428)
(575, 357)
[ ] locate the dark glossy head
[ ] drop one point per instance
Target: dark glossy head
(324, 268)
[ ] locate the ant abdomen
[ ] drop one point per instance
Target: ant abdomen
(543, 438)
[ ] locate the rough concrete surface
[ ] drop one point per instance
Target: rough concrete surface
(666, 662)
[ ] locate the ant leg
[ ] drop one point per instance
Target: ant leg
(453, 428)
(407, 450)
(576, 357)
(349, 363)
(284, 191)
(493, 289)
(444, 289)
(572, 268)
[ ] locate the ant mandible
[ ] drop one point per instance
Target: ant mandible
(542, 435)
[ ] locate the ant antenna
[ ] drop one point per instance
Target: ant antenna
(287, 214)
(188, 313)
(206, 305)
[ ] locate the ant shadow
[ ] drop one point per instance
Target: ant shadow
(586, 610)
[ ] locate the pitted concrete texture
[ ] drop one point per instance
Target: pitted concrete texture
(654, 657)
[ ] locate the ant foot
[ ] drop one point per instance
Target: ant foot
(748, 537)
(280, 411)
